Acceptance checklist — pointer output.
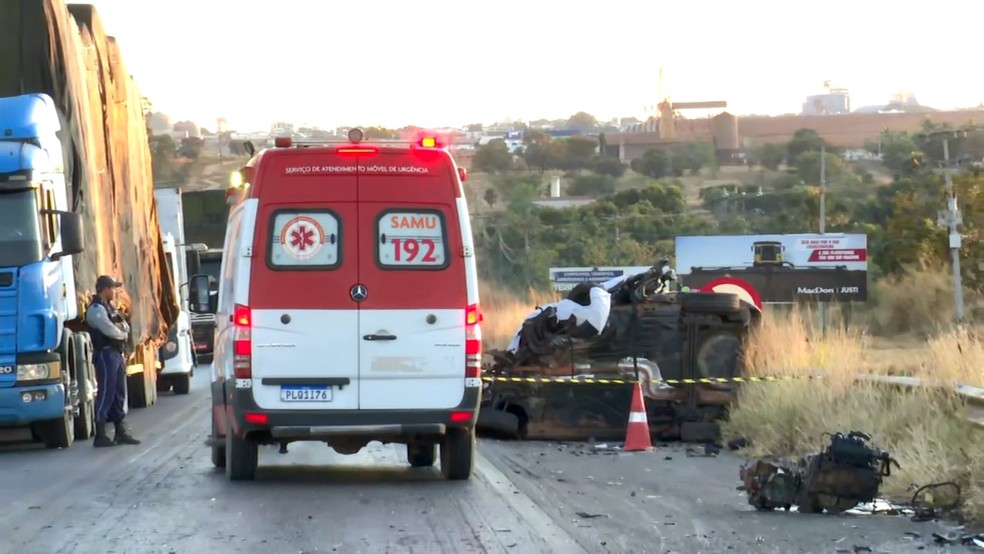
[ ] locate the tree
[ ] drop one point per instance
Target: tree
(583, 122)
(771, 155)
(607, 165)
(899, 153)
(804, 140)
(592, 185)
(493, 157)
(654, 163)
(542, 152)
(835, 170)
(578, 152)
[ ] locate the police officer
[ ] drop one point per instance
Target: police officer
(109, 332)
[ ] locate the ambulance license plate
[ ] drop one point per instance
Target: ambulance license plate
(305, 393)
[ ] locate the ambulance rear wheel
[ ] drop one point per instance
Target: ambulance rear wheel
(241, 457)
(218, 452)
(458, 454)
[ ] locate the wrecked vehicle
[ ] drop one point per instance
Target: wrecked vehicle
(846, 473)
(569, 371)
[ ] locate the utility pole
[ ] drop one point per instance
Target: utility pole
(951, 219)
(823, 222)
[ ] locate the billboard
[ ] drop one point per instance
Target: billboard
(566, 278)
(832, 267)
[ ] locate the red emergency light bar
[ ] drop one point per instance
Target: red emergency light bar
(353, 146)
(357, 151)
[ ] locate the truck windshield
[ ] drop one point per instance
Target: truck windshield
(20, 229)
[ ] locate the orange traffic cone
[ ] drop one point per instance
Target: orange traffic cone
(637, 433)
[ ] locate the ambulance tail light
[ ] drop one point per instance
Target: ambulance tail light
(473, 342)
(242, 342)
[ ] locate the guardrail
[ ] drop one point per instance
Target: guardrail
(974, 396)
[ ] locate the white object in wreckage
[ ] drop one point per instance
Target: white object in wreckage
(596, 313)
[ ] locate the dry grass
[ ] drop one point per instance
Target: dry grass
(926, 430)
(505, 311)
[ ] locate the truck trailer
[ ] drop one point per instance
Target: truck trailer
(76, 179)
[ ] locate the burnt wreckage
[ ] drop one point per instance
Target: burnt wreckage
(846, 473)
(546, 383)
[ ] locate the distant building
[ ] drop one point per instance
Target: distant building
(837, 101)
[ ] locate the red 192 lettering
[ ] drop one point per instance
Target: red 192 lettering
(411, 247)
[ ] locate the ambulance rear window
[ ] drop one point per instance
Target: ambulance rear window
(304, 239)
(411, 239)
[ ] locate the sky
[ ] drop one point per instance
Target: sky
(454, 62)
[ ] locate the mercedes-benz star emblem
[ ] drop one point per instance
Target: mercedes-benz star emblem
(359, 293)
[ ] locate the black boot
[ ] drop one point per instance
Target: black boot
(123, 436)
(101, 438)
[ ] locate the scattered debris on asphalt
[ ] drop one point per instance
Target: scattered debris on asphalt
(845, 474)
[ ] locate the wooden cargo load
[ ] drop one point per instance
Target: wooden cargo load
(49, 47)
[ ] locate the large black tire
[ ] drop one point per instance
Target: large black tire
(241, 457)
(182, 383)
(84, 375)
(218, 452)
(59, 432)
(422, 455)
(142, 389)
(458, 454)
(710, 302)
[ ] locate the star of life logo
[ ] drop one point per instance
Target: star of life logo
(302, 237)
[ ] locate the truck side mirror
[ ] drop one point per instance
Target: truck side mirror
(199, 299)
(72, 238)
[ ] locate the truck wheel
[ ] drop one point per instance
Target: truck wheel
(241, 457)
(458, 454)
(82, 372)
(59, 432)
(182, 383)
(710, 302)
(140, 393)
(218, 452)
(421, 455)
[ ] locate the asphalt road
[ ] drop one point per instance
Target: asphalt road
(165, 496)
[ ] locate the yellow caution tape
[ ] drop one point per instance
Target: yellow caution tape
(600, 381)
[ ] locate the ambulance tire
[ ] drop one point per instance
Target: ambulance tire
(421, 455)
(458, 454)
(218, 452)
(241, 457)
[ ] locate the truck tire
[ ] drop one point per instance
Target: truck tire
(218, 452)
(142, 389)
(58, 432)
(458, 454)
(710, 302)
(82, 373)
(421, 455)
(181, 383)
(241, 456)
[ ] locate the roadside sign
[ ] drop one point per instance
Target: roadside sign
(566, 278)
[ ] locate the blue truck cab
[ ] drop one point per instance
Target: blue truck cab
(46, 377)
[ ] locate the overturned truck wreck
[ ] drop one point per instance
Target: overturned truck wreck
(569, 371)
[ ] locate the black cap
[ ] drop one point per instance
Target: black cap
(105, 281)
